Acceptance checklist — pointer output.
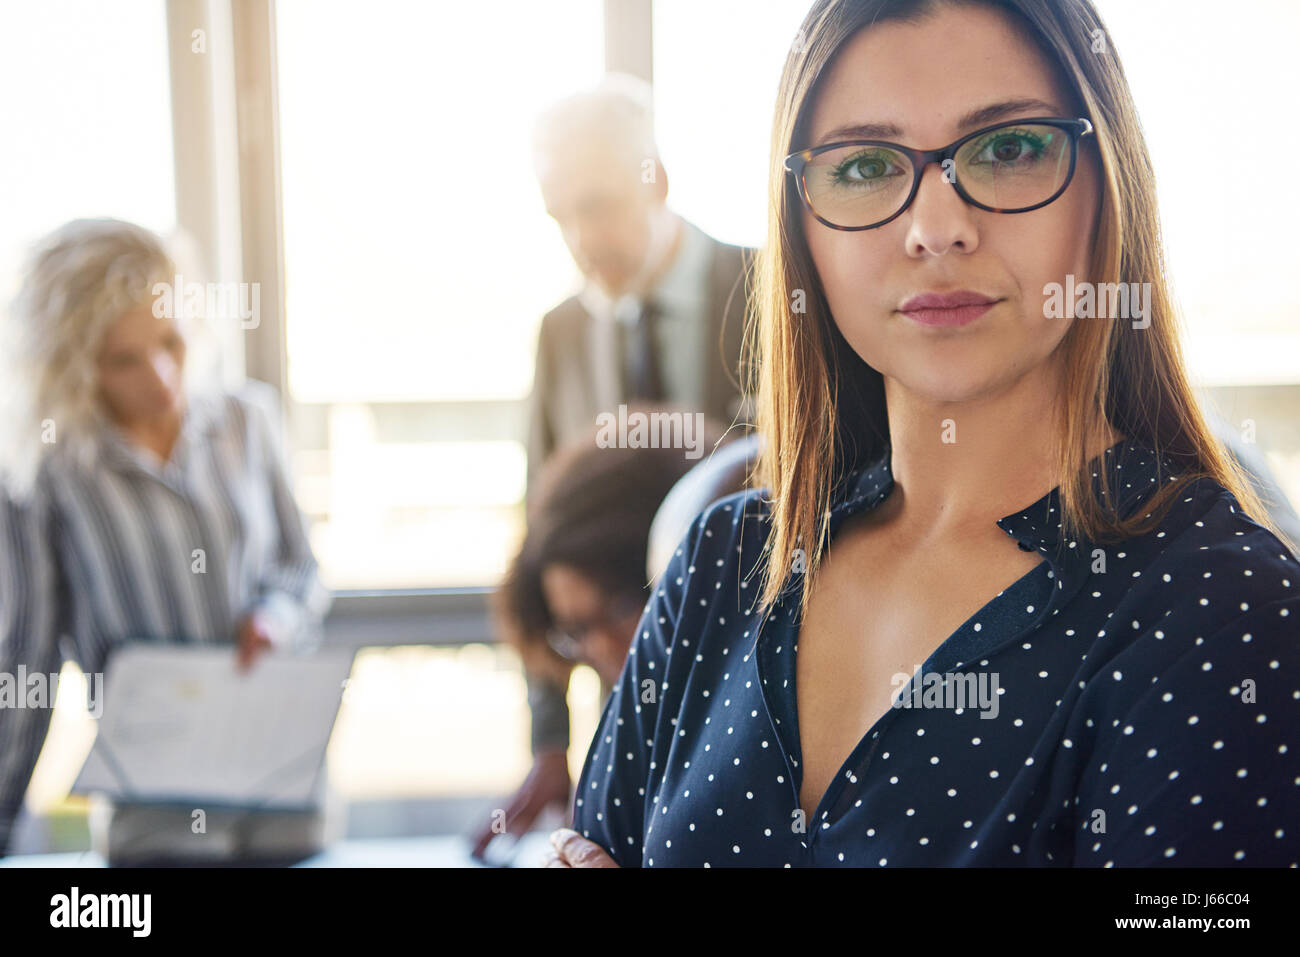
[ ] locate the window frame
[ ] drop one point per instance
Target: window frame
(225, 113)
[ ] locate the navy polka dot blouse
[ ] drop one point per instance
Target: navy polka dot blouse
(1132, 705)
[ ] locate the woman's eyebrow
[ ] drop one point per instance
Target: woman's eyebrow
(983, 116)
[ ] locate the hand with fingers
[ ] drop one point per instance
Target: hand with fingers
(547, 784)
(252, 640)
(571, 849)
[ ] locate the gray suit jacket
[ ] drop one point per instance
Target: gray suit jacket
(578, 371)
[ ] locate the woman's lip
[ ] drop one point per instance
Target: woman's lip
(956, 316)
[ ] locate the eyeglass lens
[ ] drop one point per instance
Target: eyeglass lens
(568, 638)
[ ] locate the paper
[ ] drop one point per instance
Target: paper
(181, 725)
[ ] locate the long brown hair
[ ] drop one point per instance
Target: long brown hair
(821, 408)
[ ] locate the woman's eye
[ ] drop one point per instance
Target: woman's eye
(863, 168)
(1010, 148)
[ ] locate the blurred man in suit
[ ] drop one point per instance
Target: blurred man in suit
(661, 314)
(659, 319)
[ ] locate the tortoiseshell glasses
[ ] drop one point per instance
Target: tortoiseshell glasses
(1011, 167)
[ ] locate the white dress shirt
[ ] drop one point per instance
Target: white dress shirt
(681, 327)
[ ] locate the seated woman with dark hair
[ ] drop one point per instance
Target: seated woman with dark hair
(578, 584)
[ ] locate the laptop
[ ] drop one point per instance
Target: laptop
(181, 727)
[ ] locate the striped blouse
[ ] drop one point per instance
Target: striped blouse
(130, 548)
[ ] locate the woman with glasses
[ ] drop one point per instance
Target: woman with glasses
(1002, 599)
(577, 585)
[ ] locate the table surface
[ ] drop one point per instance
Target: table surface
(450, 850)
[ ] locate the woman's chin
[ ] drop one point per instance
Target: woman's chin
(943, 385)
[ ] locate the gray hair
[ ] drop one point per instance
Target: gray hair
(617, 112)
(78, 281)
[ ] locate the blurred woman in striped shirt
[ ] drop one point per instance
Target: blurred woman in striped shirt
(136, 508)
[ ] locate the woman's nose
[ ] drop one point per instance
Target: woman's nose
(164, 368)
(940, 218)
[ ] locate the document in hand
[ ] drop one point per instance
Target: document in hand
(182, 725)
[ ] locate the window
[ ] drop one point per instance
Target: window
(716, 70)
(87, 117)
(1227, 236)
(418, 263)
(88, 132)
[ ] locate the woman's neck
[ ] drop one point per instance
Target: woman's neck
(962, 466)
(158, 434)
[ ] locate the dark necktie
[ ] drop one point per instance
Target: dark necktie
(641, 356)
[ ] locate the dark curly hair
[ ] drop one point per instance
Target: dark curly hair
(591, 509)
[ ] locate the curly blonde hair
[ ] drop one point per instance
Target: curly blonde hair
(78, 281)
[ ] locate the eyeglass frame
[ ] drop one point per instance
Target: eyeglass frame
(797, 162)
(617, 609)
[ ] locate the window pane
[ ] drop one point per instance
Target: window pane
(1227, 229)
(1229, 237)
(87, 120)
(403, 728)
(716, 67)
(419, 260)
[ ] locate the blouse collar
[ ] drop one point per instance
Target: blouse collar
(1135, 473)
(114, 449)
